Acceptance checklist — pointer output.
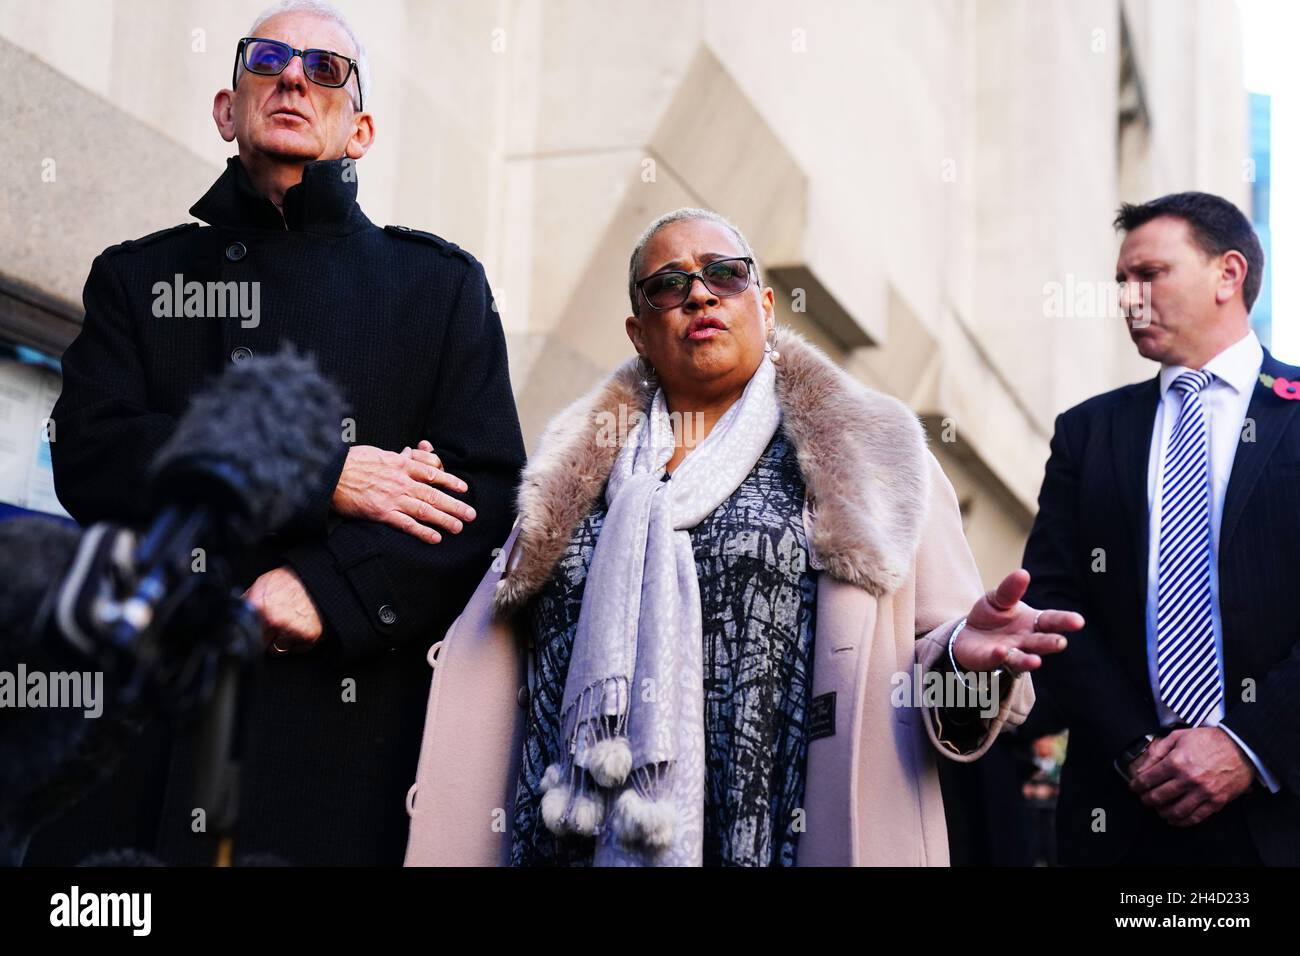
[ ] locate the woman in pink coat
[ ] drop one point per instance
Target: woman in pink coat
(737, 619)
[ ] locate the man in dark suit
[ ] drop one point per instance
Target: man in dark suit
(1165, 517)
(362, 582)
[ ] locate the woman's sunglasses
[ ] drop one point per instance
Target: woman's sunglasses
(722, 277)
(270, 57)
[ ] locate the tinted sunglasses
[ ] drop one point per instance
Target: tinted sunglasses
(722, 277)
(270, 57)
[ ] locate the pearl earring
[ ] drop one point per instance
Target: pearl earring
(772, 353)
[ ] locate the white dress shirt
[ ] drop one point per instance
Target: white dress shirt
(1225, 401)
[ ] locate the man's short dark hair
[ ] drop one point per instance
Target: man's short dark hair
(1217, 227)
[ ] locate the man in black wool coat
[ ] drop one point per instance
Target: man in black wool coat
(401, 527)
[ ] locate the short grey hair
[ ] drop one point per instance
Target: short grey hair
(326, 11)
(685, 214)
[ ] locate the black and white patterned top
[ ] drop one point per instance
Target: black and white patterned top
(758, 600)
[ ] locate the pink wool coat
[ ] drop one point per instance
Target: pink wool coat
(896, 575)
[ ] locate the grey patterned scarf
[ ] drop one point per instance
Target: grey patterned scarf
(632, 717)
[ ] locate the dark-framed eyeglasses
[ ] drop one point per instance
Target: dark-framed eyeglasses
(270, 57)
(722, 277)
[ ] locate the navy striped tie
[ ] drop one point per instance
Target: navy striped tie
(1186, 661)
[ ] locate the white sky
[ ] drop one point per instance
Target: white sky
(1270, 30)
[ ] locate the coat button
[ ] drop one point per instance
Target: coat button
(236, 251)
(387, 615)
(522, 697)
(240, 354)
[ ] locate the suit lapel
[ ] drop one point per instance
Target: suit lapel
(1131, 426)
(1271, 415)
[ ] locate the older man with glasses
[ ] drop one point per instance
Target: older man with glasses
(402, 524)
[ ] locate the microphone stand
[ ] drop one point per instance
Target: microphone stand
(175, 638)
(215, 785)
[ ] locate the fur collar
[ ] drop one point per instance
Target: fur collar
(862, 455)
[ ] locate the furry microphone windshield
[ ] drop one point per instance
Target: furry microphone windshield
(256, 441)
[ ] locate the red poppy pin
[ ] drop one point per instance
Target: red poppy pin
(1282, 388)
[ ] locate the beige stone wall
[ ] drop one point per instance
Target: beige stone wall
(912, 173)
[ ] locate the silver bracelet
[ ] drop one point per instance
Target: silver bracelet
(952, 640)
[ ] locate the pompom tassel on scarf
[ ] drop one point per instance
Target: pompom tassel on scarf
(567, 804)
(610, 761)
(637, 821)
(566, 810)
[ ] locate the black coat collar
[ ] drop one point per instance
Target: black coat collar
(325, 202)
